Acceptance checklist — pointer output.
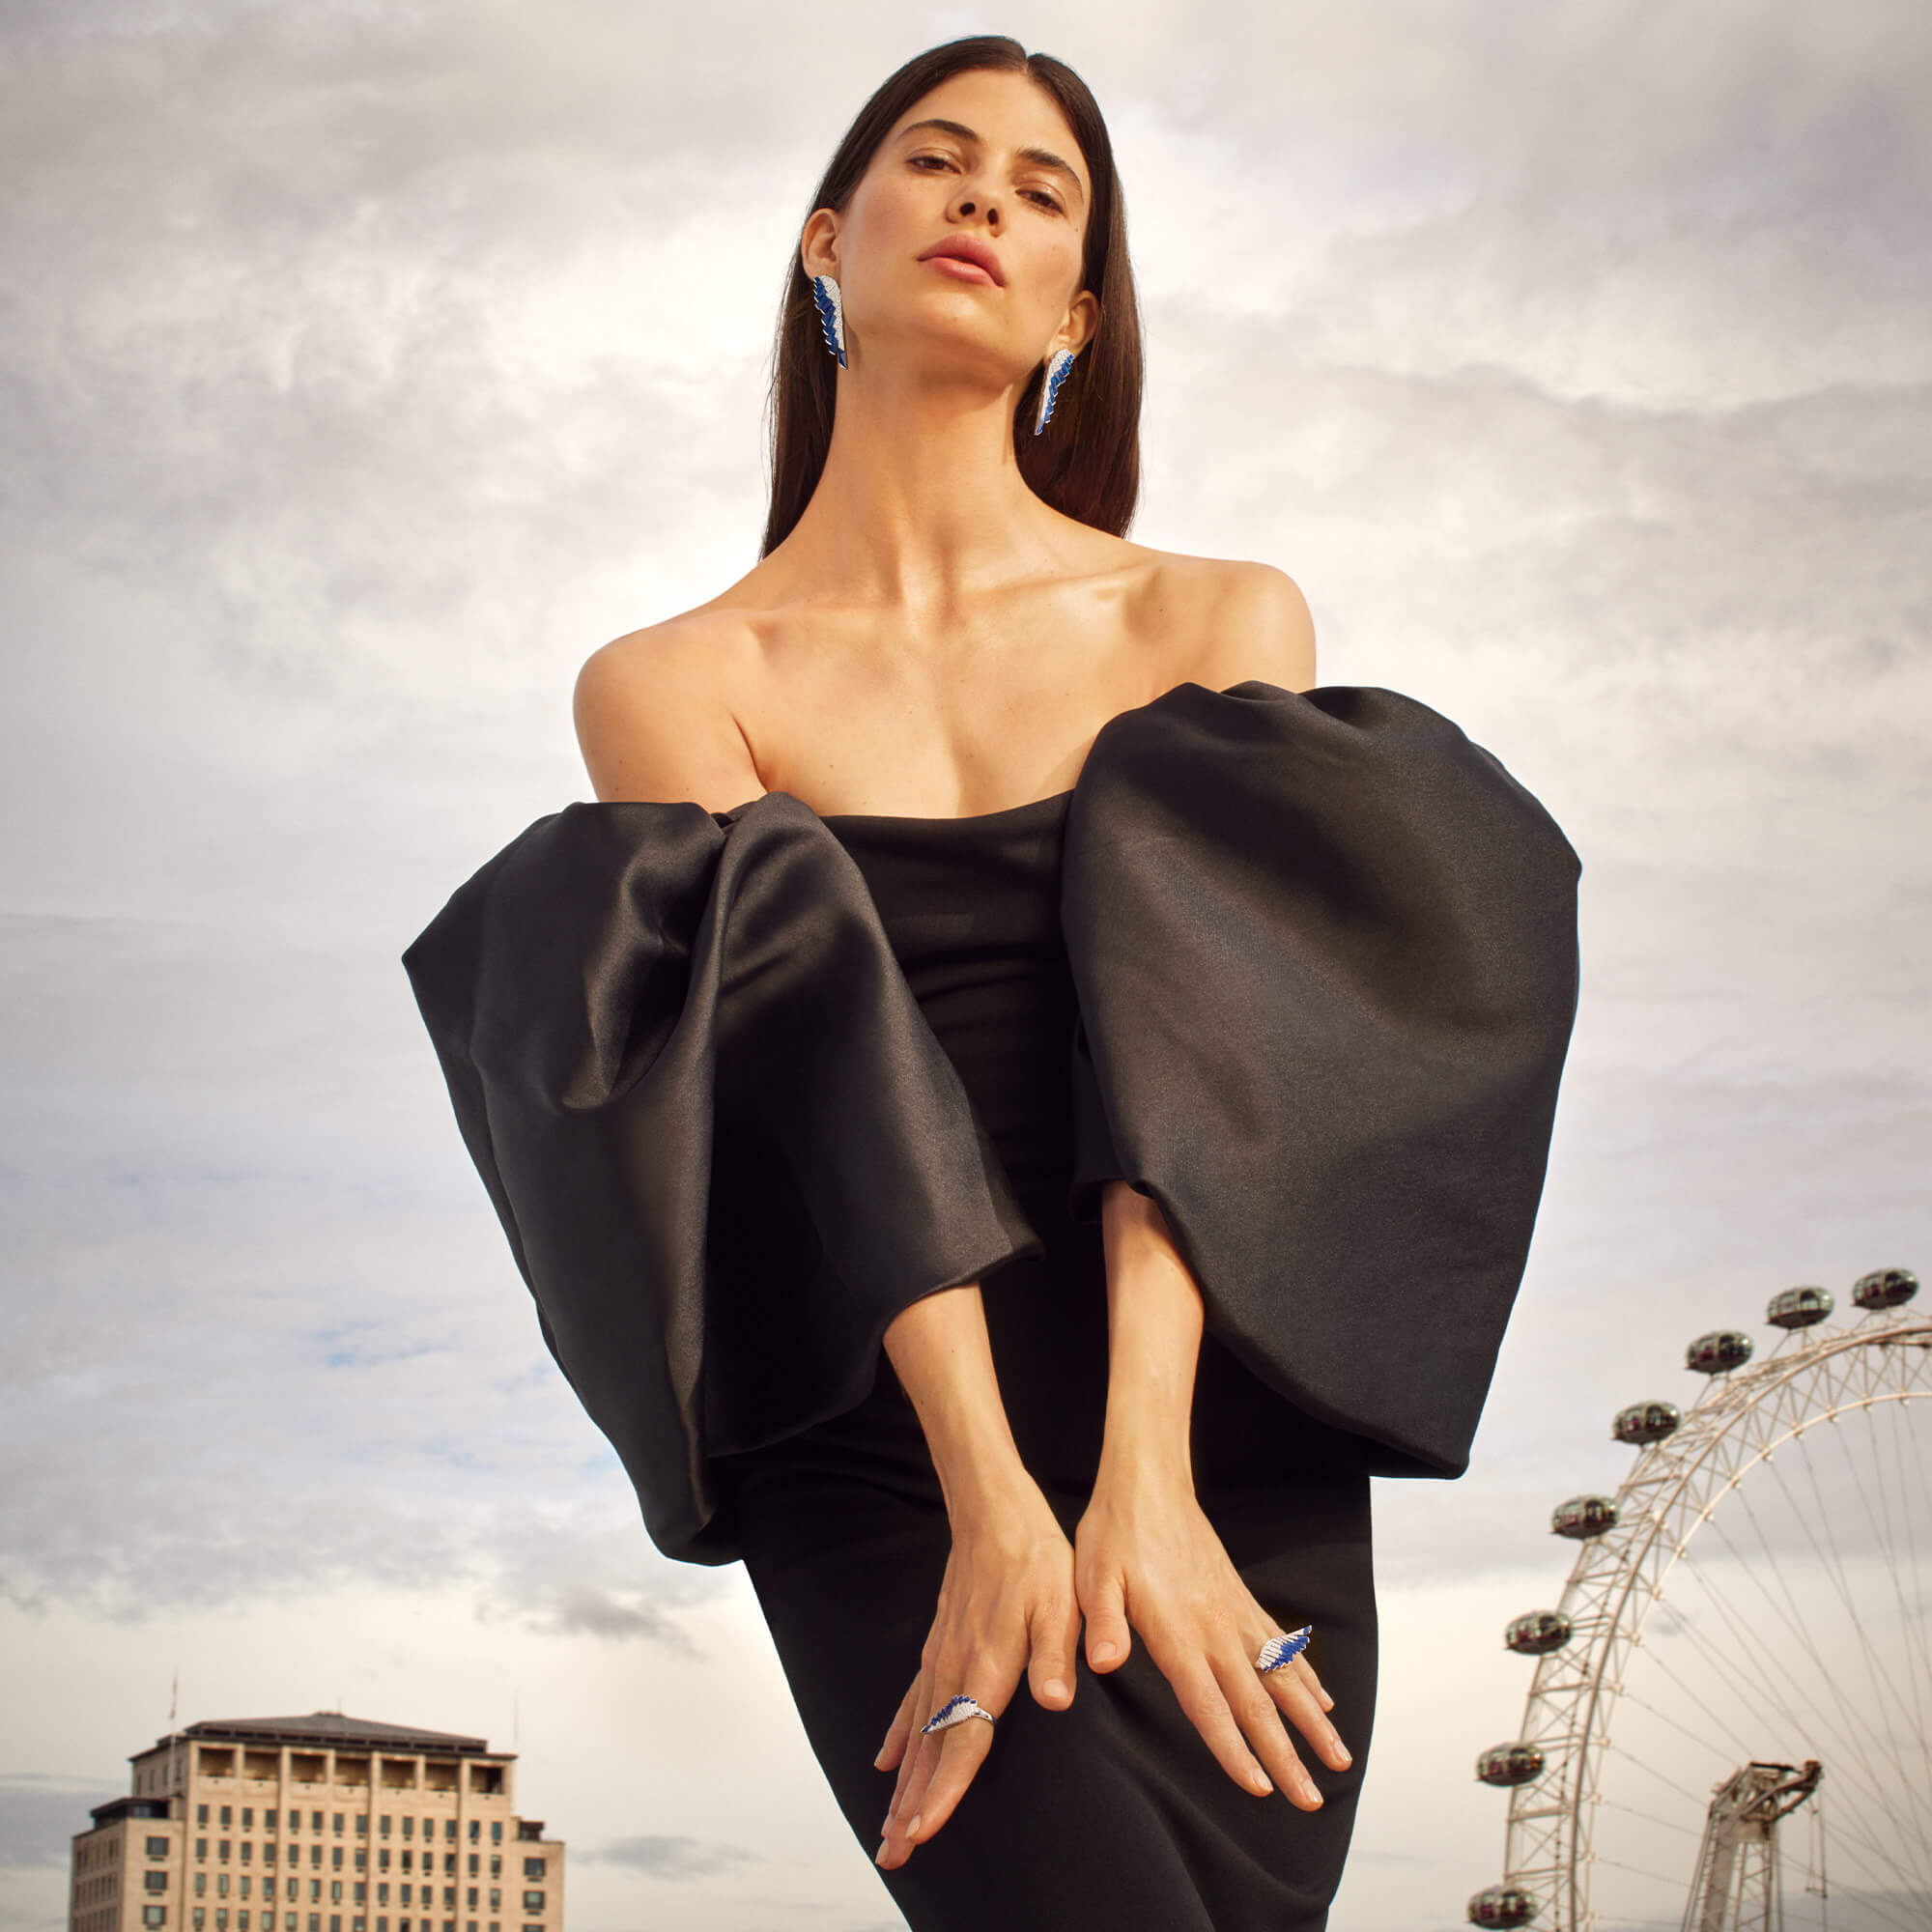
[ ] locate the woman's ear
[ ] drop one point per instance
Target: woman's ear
(818, 243)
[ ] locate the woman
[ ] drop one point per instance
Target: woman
(1013, 1106)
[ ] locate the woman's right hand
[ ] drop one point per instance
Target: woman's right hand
(1007, 1600)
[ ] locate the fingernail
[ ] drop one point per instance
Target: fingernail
(879, 1856)
(911, 1830)
(1055, 1688)
(1261, 1785)
(1105, 1653)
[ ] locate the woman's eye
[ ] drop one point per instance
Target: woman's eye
(1039, 196)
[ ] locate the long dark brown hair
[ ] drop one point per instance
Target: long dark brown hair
(1087, 462)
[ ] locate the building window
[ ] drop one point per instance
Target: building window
(496, 1899)
(475, 1832)
(153, 1914)
(157, 1848)
(409, 1827)
(535, 1867)
(247, 1850)
(336, 1891)
(247, 1817)
(474, 1864)
(201, 1814)
(242, 1921)
(315, 1821)
(497, 1831)
(200, 1918)
(470, 1899)
(221, 1850)
(201, 1844)
(361, 1826)
(336, 1857)
(221, 1885)
(267, 1821)
(533, 1902)
(227, 1816)
(534, 1928)
(220, 1918)
(385, 1833)
(338, 1823)
(156, 1881)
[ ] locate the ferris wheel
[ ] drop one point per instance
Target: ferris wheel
(1751, 1607)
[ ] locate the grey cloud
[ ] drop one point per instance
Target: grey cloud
(672, 1858)
(39, 1813)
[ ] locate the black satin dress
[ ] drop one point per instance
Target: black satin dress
(1300, 967)
(1112, 1814)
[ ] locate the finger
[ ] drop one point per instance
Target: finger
(1208, 1707)
(963, 1750)
(1254, 1710)
(916, 1746)
(892, 1748)
(1105, 1605)
(1055, 1638)
(1298, 1701)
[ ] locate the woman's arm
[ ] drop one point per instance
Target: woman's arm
(943, 1354)
(1154, 1327)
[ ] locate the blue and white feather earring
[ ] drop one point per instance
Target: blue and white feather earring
(831, 313)
(1058, 364)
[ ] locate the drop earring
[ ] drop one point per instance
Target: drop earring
(1058, 366)
(831, 313)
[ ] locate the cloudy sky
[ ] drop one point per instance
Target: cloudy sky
(365, 366)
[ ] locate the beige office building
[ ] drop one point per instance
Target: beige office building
(317, 1824)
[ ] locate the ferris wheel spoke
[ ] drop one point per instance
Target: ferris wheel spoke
(1912, 1627)
(1827, 1720)
(1697, 1799)
(1851, 1769)
(1650, 1817)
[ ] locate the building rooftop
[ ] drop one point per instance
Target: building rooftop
(332, 1727)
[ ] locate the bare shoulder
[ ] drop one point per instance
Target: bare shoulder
(655, 721)
(1249, 620)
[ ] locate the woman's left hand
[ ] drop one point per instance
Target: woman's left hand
(1145, 1554)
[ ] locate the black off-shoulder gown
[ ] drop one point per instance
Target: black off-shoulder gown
(743, 1086)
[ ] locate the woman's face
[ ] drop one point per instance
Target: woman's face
(1005, 172)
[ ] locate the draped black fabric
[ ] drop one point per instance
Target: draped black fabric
(1324, 953)
(722, 1141)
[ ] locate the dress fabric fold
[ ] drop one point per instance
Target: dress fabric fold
(1324, 950)
(725, 1145)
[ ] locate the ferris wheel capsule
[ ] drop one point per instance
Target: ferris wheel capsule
(1885, 1288)
(1719, 1352)
(1537, 1632)
(1798, 1307)
(1511, 1764)
(1502, 1905)
(1582, 1517)
(1644, 1422)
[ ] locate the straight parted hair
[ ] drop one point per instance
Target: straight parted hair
(1087, 462)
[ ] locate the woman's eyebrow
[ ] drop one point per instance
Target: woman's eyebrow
(1040, 158)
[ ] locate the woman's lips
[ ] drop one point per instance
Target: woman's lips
(966, 271)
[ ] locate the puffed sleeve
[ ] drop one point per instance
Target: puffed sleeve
(723, 1141)
(1324, 949)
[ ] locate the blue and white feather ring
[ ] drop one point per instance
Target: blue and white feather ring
(957, 1711)
(1058, 364)
(831, 313)
(1280, 1651)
